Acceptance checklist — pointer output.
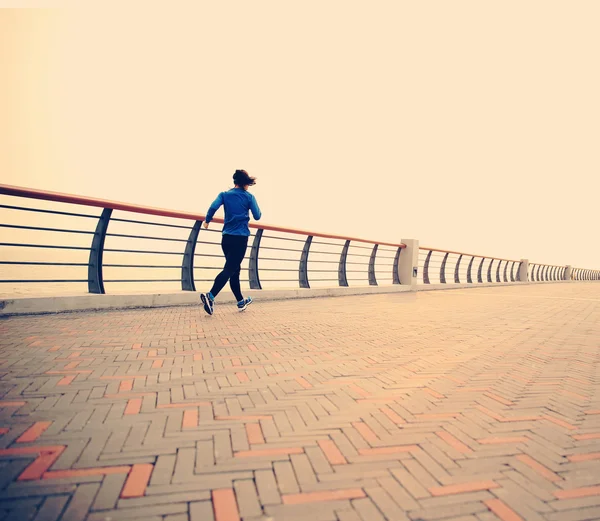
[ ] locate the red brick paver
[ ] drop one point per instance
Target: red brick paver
(468, 405)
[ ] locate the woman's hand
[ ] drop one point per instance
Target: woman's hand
(205, 225)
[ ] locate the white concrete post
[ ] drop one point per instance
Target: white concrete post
(523, 270)
(568, 273)
(409, 263)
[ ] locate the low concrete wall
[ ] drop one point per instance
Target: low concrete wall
(89, 302)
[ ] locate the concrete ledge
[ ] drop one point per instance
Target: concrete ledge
(89, 302)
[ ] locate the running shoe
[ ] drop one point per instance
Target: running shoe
(243, 304)
(209, 304)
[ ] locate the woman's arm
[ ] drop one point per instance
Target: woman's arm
(216, 204)
(256, 213)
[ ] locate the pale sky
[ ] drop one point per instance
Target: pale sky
(471, 126)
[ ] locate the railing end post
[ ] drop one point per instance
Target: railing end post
(408, 263)
(568, 272)
(523, 273)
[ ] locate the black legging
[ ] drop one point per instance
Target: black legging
(234, 248)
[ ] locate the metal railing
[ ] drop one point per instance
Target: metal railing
(101, 247)
(338, 259)
(546, 272)
(452, 267)
(582, 274)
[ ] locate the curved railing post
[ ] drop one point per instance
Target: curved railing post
(303, 272)
(469, 275)
(187, 265)
(456, 268)
(342, 278)
(498, 271)
(538, 273)
(426, 268)
(489, 271)
(396, 268)
(443, 269)
(253, 265)
(512, 272)
(479, 271)
(506, 271)
(95, 278)
(372, 278)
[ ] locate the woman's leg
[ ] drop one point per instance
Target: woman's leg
(223, 277)
(238, 253)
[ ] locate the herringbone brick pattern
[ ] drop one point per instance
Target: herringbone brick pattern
(469, 405)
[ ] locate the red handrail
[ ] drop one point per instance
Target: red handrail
(33, 193)
(468, 254)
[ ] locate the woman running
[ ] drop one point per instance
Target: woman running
(236, 203)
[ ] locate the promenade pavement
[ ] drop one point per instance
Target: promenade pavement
(464, 405)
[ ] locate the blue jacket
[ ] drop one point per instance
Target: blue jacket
(236, 202)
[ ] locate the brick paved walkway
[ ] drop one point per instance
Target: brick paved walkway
(470, 405)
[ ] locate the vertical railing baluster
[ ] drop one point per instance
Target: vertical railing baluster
(538, 273)
(372, 278)
(342, 278)
(187, 265)
(395, 273)
(506, 272)
(469, 274)
(253, 265)
(479, 271)
(489, 271)
(303, 272)
(426, 268)
(498, 271)
(512, 272)
(95, 277)
(456, 272)
(443, 269)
